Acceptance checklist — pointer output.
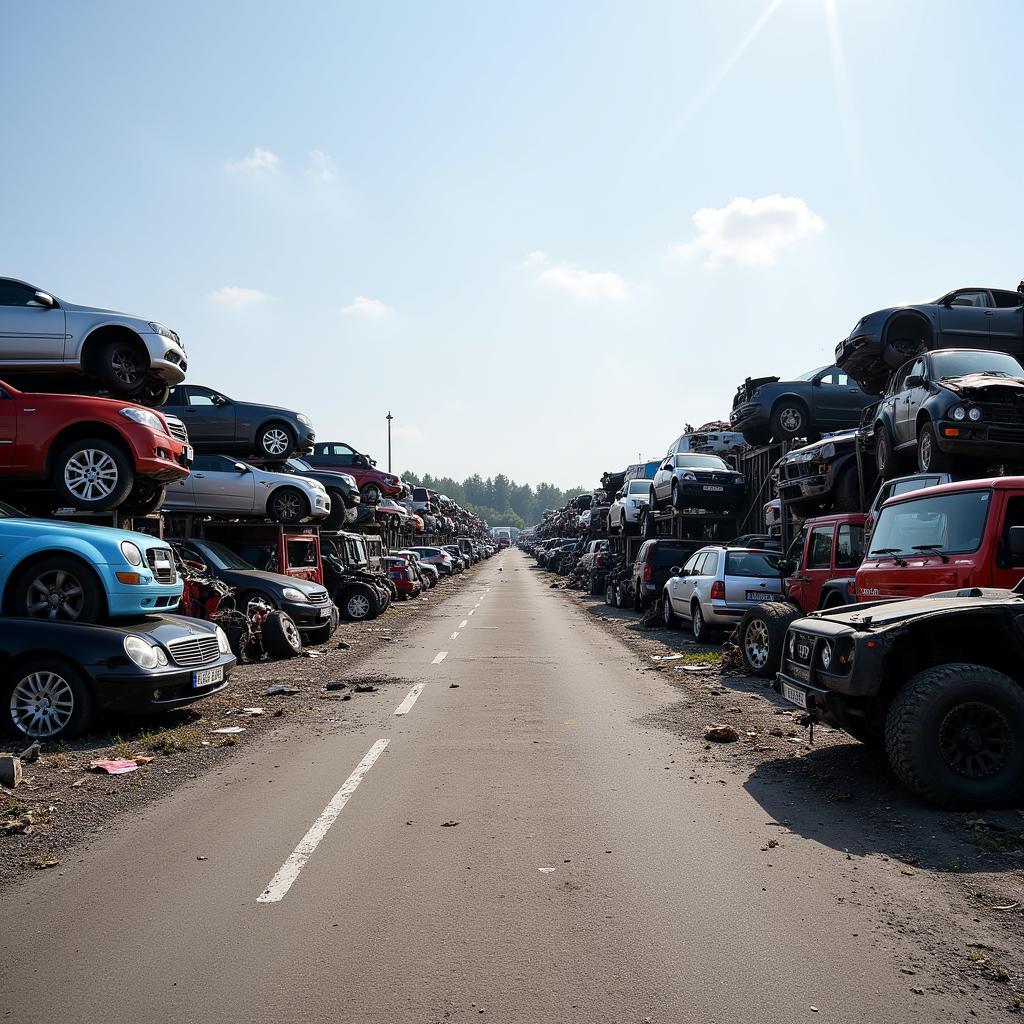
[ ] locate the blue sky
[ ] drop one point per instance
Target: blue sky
(482, 216)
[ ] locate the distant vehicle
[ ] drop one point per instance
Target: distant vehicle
(714, 442)
(822, 400)
(697, 481)
(881, 342)
(224, 486)
(624, 512)
(437, 557)
(653, 567)
(41, 334)
(374, 484)
(403, 574)
(341, 488)
(218, 424)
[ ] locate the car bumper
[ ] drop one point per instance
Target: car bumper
(129, 599)
(167, 358)
(156, 455)
(306, 440)
(135, 691)
(694, 495)
(805, 487)
(980, 440)
(721, 614)
(308, 616)
(319, 504)
(749, 416)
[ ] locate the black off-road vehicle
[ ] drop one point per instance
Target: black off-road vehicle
(939, 679)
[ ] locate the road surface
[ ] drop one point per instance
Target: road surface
(583, 882)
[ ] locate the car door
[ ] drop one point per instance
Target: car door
(964, 318)
(897, 402)
(1006, 322)
(817, 567)
(30, 331)
(836, 400)
(209, 417)
(221, 486)
(682, 588)
(703, 579)
(913, 398)
(663, 481)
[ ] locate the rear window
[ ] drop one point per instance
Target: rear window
(751, 564)
(662, 556)
(951, 523)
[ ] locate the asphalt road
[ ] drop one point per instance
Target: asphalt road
(583, 882)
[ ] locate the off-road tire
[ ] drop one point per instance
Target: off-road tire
(105, 457)
(775, 618)
(281, 637)
(789, 420)
(925, 705)
(59, 678)
(288, 505)
(79, 585)
(275, 441)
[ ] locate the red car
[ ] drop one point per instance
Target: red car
(403, 575)
(374, 484)
(94, 454)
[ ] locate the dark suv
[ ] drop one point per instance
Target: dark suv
(374, 483)
(653, 567)
(216, 424)
(341, 488)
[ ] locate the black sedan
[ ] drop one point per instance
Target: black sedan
(989, 318)
(951, 404)
(218, 424)
(823, 400)
(66, 673)
(306, 602)
(341, 488)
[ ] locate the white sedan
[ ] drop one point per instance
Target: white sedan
(223, 486)
(625, 510)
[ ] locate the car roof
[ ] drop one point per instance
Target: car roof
(999, 483)
(854, 518)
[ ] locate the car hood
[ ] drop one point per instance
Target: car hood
(880, 614)
(749, 386)
(254, 577)
(806, 453)
(970, 383)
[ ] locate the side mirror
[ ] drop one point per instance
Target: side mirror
(915, 380)
(816, 382)
(1015, 538)
(219, 400)
(675, 570)
(786, 566)
(45, 299)
(241, 467)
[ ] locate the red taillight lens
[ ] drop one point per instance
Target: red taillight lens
(648, 574)
(718, 591)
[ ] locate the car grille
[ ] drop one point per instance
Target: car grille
(803, 648)
(177, 429)
(318, 597)
(162, 572)
(713, 478)
(1002, 413)
(193, 651)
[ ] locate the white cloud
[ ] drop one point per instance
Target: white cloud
(321, 167)
(259, 161)
(751, 232)
(535, 258)
(588, 285)
(371, 309)
(233, 297)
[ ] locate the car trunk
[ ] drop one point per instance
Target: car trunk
(742, 588)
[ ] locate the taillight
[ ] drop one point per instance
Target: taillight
(718, 591)
(648, 574)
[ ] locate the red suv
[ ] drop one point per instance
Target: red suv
(374, 484)
(95, 454)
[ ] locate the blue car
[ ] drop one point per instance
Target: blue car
(76, 573)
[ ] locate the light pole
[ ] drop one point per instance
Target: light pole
(389, 418)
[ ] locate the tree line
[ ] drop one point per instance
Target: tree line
(499, 500)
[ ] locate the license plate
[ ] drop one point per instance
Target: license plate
(759, 595)
(207, 677)
(714, 487)
(325, 613)
(187, 453)
(794, 695)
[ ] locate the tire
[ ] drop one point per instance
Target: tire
(789, 420)
(885, 457)
(846, 494)
(145, 498)
(287, 505)
(676, 500)
(622, 595)
(336, 520)
(358, 603)
(46, 699)
(93, 475)
(122, 366)
(250, 595)
(934, 721)
(762, 635)
(652, 501)
(275, 441)
(610, 594)
(930, 457)
(700, 629)
(668, 616)
(281, 637)
(60, 589)
(370, 494)
(154, 393)
(638, 599)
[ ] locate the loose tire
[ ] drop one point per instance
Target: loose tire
(359, 603)
(93, 475)
(122, 366)
(60, 589)
(789, 420)
(668, 616)
(275, 441)
(46, 699)
(281, 637)
(930, 457)
(287, 505)
(762, 635)
(955, 736)
(145, 498)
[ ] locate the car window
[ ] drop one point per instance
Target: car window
(690, 461)
(796, 548)
(953, 523)
(200, 397)
(811, 374)
(956, 363)
(691, 564)
(639, 487)
(1007, 299)
(819, 551)
(710, 566)
(12, 293)
(971, 297)
(751, 564)
(849, 546)
(213, 464)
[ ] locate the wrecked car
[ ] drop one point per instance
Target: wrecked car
(989, 318)
(768, 408)
(948, 405)
(938, 679)
(822, 476)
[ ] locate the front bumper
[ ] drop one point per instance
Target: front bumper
(695, 495)
(167, 358)
(130, 599)
(133, 690)
(320, 504)
(750, 416)
(812, 486)
(308, 616)
(980, 440)
(156, 455)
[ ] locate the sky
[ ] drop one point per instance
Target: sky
(543, 235)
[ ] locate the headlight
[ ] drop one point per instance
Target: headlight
(689, 476)
(740, 480)
(827, 451)
(145, 417)
(974, 414)
(131, 552)
(826, 656)
(303, 418)
(164, 332)
(142, 653)
(792, 645)
(959, 413)
(223, 645)
(391, 480)
(350, 480)
(291, 594)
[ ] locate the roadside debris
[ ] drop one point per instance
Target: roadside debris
(273, 691)
(718, 733)
(336, 684)
(119, 766)
(448, 824)
(10, 770)
(30, 753)
(364, 688)
(229, 730)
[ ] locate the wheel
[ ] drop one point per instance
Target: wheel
(885, 457)
(789, 420)
(154, 393)
(701, 631)
(638, 599)
(145, 497)
(370, 494)
(652, 501)
(122, 366)
(93, 475)
(668, 616)
(622, 595)
(359, 603)
(281, 637)
(762, 635)
(930, 457)
(47, 699)
(610, 594)
(336, 520)
(275, 441)
(677, 502)
(60, 589)
(955, 736)
(846, 493)
(254, 595)
(287, 505)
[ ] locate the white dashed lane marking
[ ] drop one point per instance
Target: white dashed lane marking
(406, 706)
(439, 657)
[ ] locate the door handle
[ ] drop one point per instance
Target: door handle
(199, 476)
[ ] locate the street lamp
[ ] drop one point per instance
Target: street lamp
(389, 419)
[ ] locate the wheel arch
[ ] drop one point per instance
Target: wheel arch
(910, 315)
(94, 341)
(79, 432)
(84, 556)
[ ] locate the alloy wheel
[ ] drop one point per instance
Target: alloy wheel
(975, 740)
(358, 606)
(924, 452)
(57, 594)
(275, 441)
(698, 623)
(125, 365)
(292, 634)
(42, 704)
(756, 644)
(666, 610)
(791, 419)
(287, 506)
(91, 475)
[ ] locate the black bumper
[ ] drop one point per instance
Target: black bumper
(136, 691)
(695, 495)
(981, 440)
(752, 416)
(308, 616)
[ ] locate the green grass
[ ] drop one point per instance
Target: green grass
(161, 741)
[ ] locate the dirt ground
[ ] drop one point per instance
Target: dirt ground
(957, 879)
(61, 802)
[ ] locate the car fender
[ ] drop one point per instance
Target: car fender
(843, 586)
(790, 396)
(81, 327)
(15, 557)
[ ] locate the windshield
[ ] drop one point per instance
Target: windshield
(811, 374)
(699, 462)
(751, 564)
(299, 465)
(950, 523)
(956, 364)
(638, 487)
(219, 556)
(8, 512)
